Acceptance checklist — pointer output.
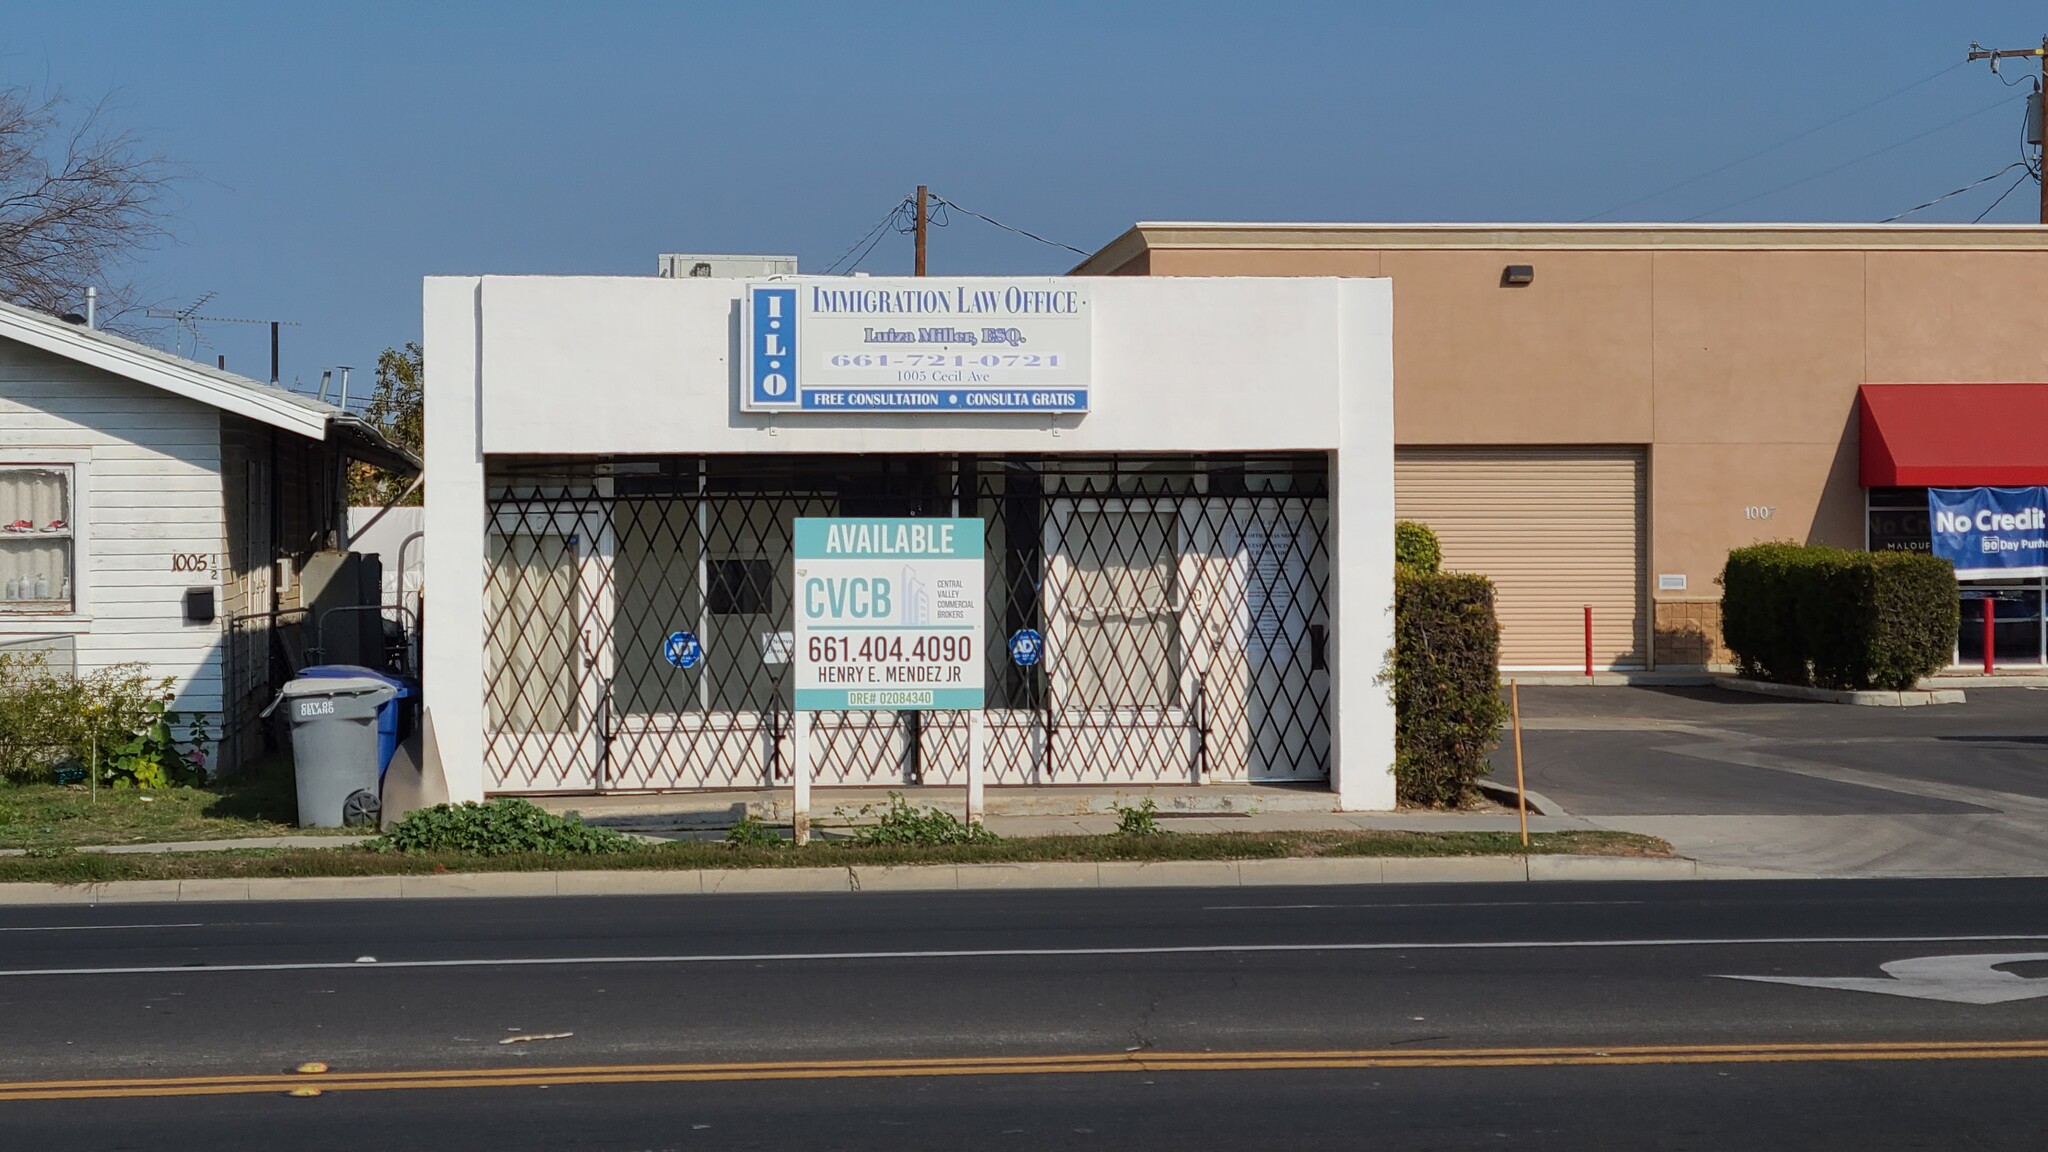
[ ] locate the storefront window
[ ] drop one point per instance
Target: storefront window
(1897, 520)
(2015, 626)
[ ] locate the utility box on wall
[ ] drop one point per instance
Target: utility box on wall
(343, 591)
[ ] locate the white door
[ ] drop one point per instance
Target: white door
(548, 652)
(1116, 642)
(1287, 684)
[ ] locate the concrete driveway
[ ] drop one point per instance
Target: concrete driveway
(1754, 782)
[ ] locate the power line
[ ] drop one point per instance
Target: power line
(1858, 110)
(1960, 191)
(1007, 228)
(877, 234)
(892, 214)
(2022, 179)
(1893, 147)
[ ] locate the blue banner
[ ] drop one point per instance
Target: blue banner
(1989, 532)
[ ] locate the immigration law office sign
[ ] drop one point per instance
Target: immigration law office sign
(889, 613)
(920, 344)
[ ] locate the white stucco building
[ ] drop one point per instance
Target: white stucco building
(1205, 550)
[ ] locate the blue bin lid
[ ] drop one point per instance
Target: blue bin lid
(405, 688)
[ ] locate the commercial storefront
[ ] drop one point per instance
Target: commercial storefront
(1956, 469)
(1179, 493)
(1594, 415)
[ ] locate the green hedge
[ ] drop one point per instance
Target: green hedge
(1415, 547)
(1446, 680)
(1810, 614)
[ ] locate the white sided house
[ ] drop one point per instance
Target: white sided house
(1179, 493)
(154, 510)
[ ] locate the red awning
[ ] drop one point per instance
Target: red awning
(1954, 435)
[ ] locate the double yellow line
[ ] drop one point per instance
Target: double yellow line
(1077, 1064)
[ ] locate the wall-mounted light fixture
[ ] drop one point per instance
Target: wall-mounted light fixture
(1516, 275)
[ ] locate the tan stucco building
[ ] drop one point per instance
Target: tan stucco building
(1594, 415)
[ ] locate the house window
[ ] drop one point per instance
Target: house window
(36, 539)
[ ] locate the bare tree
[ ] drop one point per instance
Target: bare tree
(75, 205)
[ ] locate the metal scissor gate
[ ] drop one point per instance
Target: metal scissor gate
(1181, 601)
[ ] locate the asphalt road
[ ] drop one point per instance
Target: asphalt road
(1537, 1016)
(1704, 751)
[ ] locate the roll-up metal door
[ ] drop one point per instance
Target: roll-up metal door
(1556, 529)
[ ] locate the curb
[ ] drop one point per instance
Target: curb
(1504, 793)
(1873, 698)
(900, 878)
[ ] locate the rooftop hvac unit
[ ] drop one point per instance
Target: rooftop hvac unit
(686, 265)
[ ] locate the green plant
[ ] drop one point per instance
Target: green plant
(1811, 614)
(901, 823)
(1445, 678)
(748, 832)
(499, 827)
(153, 755)
(120, 714)
(1141, 819)
(1416, 547)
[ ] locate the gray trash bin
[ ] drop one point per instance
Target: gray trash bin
(334, 748)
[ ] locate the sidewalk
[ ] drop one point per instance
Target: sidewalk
(670, 826)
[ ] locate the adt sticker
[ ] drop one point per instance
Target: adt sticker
(1026, 645)
(682, 650)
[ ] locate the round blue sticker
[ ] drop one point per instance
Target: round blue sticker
(682, 650)
(1026, 646)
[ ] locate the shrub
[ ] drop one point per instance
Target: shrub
(1835, 618)
(1446, 683)
(748, 832)
(1141, 819)
(499, 827)
(1415, 546)
(50, 718)
(901, 823)
(1912, 615)
(1759, 621)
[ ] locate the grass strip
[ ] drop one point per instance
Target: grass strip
(262, 801)
(67, 867)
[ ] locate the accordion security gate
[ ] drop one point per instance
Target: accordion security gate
(1181, 601)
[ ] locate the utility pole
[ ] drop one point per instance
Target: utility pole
(924, 200)
(2034, 113)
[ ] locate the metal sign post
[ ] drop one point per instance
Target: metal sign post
(889, 617)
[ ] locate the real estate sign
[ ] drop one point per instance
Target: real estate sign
(889, 613)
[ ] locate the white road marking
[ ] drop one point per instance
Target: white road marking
(1014, 953)
(93, 927)
(1973, 978)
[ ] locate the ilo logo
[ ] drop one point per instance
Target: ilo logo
(773, 346)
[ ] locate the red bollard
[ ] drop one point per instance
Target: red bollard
(1990, 614)
(1589, 641)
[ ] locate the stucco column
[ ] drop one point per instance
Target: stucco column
(452, 644)
(1362, 550)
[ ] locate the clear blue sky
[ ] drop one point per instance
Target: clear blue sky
(343, 150)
